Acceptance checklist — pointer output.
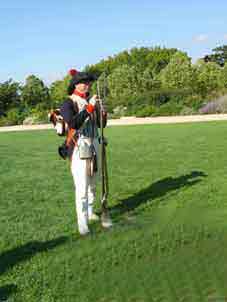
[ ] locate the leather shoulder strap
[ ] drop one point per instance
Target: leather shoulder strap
(71, 137)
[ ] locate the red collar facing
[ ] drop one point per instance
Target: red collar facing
(81, 94)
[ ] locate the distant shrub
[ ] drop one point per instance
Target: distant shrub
(14, 116)
(34, 119)
(187, 111)
(146, 111)
(169, 108)
(209, 108)
(3, 121)
(24, 115)
(193, 101)
(30, 120)
(37, 115)
(119, 110)
(217, 106)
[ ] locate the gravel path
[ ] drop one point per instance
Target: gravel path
(133, 121)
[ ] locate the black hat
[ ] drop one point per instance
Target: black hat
(80, 77)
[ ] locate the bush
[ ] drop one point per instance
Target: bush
(193, 101)
(26, 116)
(119, 111)
(187, 111)
(31, 120)
(146, 111)
(169, 108)
(3, 121)
(14, 116)
(217, 106)
(35, 119)
(37, 115)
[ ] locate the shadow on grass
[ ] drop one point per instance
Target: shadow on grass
(156, 190)
(19, 254)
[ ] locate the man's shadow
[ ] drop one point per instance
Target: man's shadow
(14, 256)
(156, 190)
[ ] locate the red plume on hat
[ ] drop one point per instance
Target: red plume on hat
(72, 72)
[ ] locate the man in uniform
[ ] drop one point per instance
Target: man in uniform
(82, 115)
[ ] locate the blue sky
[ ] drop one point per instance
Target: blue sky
(47, 38)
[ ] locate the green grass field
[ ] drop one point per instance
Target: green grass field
(168, 200)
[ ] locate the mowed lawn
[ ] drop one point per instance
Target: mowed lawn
(168, 201)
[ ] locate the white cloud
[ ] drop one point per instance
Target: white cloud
(225, 37)
(201, 38)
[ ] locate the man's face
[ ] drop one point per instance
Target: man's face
(83, 87)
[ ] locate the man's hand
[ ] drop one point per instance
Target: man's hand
(92, 104)
(93, 100)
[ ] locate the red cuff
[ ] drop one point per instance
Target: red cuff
(90, 108)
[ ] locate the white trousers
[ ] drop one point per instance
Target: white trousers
(85, 188)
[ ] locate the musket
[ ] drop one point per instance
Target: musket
(105, 218)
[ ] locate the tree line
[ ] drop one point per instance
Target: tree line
(142, 81)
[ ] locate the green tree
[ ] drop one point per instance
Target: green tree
(122, 84)
(178, 74)
(209, 78)
(9, 96)
(147, 82)
(219, 55)
(224, 73)
(158, 58)
(58, 91)
(35, 92)
(141, 58)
